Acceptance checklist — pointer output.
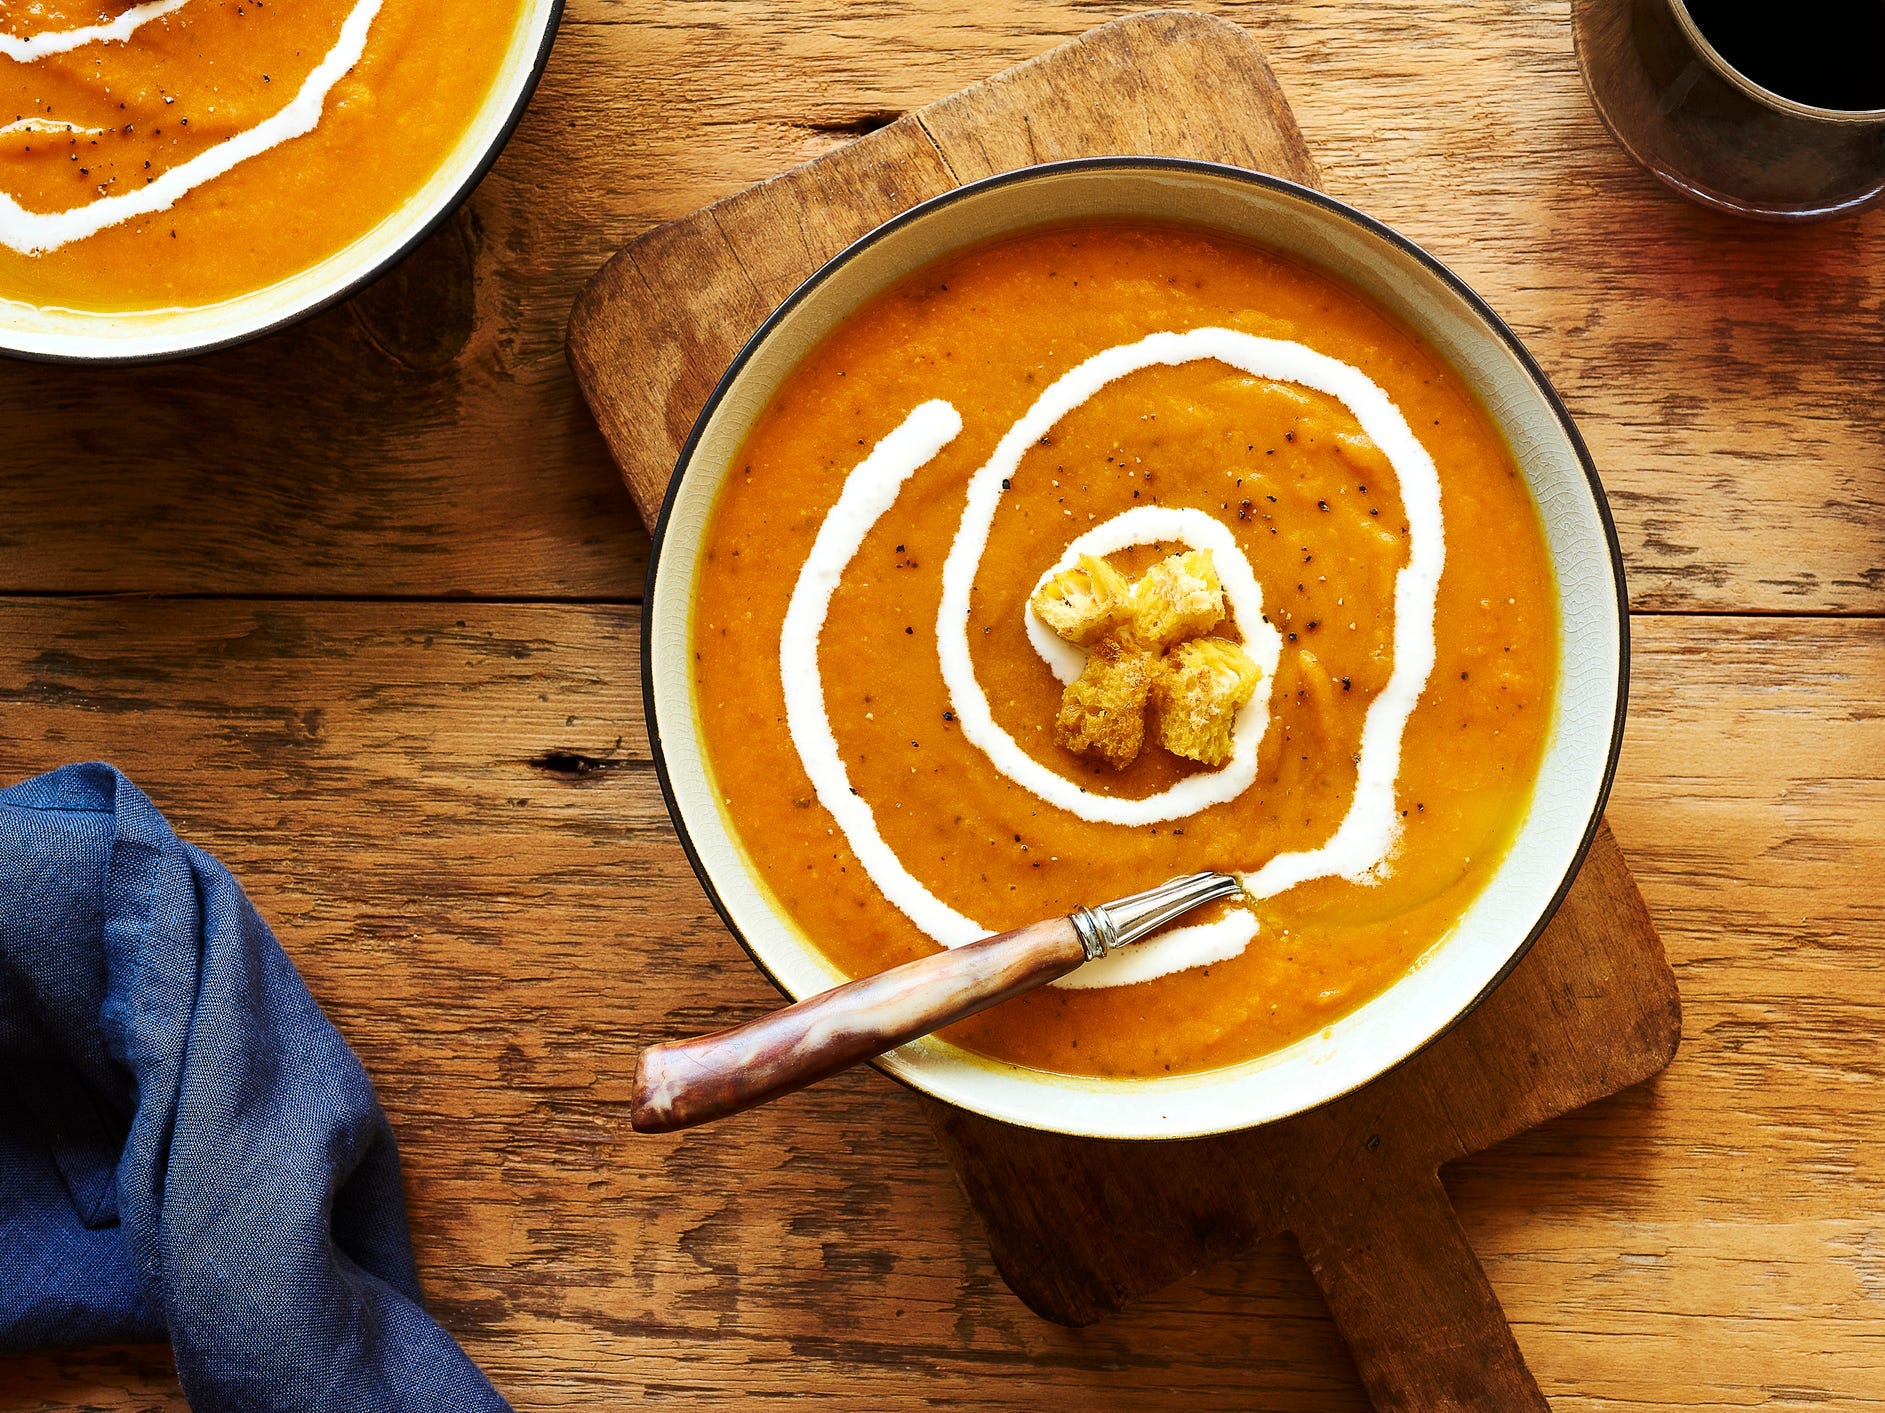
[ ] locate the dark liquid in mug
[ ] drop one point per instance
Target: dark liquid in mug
(1827, 53)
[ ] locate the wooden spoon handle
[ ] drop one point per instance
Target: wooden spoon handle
(690, 1082)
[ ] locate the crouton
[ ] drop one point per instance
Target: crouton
(1085, 602)
(1179, 597)
(1197, 691)
(1102, 711)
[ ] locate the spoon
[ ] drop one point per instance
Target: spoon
(687, 1082)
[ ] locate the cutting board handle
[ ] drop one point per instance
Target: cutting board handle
(1080, 1227)
(1411, 1299)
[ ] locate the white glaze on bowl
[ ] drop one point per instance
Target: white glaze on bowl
(1573, 778)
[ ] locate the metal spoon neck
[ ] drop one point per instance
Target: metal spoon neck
(1124, 921)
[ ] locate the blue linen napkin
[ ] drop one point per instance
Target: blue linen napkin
(188, 1149)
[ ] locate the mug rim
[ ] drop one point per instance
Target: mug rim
(1456, 286)
(1760, 93)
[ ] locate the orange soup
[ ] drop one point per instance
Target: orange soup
(886, 705)
(178, 153)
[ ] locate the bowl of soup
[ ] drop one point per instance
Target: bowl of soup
(1283, 437)
(178, 175)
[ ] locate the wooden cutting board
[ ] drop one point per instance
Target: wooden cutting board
(1080, 1227)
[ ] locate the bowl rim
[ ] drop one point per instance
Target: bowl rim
(1181, 166)
(454, 198)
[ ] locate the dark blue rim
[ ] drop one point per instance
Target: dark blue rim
(1183, 165)
(366, 277)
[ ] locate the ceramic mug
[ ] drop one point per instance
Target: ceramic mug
(1709, 130)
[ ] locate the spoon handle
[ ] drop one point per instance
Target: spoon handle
(688, 1082)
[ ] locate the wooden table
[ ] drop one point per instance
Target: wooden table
(357, 605)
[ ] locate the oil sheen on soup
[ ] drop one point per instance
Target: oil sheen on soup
(176, 153)
(879, 703)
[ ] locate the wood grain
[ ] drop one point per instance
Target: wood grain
(651, 334)
(461, 846)
(497, 929)
(1717, 368)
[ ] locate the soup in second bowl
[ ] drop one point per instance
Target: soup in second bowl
(177, 153)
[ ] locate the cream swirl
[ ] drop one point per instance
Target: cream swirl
(24, 49)
(1361, 844)
(35, 232)
(868, 492)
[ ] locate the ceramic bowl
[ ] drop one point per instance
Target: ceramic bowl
(1580, 757)
(146, 336)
